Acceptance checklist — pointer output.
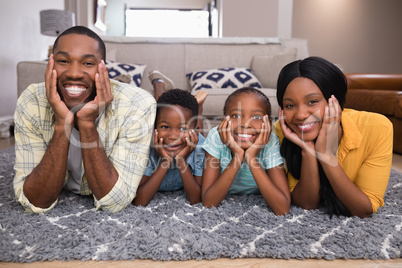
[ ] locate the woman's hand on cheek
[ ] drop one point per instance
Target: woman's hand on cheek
(328, 138)
(292, 136)
(287, 132)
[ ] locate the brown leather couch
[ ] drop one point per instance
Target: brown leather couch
(379, 93)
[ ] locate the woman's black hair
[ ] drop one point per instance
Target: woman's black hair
(331, 81)
(249, 90)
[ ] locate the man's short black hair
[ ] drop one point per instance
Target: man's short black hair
(83, 31)
(179, 97)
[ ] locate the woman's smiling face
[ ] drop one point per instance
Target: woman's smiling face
(303, 108)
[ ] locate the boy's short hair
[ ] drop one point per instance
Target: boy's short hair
(179, 97)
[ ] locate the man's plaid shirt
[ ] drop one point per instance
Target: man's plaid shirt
(125, 130)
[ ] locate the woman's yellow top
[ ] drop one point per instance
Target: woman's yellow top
(365, 152)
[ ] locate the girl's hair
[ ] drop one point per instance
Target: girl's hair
(249, 90)
(331, 81)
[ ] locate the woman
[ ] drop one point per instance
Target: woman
(339, 158)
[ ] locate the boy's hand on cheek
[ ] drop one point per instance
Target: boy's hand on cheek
(191, 142)
(158, 146)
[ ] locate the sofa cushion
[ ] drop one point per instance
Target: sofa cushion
(134, 71)
(267, 67)
(223, 78)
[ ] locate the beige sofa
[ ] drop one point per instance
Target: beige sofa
(176, 57)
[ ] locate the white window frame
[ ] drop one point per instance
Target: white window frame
(214, 27)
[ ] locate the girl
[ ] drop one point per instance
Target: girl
(340, 158)
(242, 155)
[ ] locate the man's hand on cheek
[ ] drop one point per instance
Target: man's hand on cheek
(61, 112)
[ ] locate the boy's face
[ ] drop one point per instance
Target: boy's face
(76, 60)
(173, 121)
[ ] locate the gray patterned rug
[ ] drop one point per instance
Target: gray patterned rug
(171, 229)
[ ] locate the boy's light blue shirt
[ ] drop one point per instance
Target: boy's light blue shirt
(172, 180)
(244, 183)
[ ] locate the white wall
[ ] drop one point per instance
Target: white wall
(20, 40)
(362, 36)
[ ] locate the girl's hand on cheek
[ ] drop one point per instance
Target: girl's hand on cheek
(261, 140)
(225, 132)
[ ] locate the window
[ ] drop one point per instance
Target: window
(198, 20)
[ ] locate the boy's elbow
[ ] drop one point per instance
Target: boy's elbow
(138, 202)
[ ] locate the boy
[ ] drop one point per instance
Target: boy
(176, 159)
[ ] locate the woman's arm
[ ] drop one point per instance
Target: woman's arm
(354, 200)
(306, 193)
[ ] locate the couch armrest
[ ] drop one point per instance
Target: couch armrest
(373, 100)
(374, 81)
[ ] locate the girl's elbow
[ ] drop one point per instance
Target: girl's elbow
(194, 201)
(207, 204)
(281, 212)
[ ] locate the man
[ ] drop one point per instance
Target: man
(81, 131)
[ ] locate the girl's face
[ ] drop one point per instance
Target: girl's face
(246, 112)
(303, 108)
(172, 124)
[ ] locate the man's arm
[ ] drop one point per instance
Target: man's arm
(115, 153)
(43, 185)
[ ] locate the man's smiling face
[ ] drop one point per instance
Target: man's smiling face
(76, 60)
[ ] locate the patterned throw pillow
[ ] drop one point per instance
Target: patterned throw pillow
(134, 71)
(223, 78)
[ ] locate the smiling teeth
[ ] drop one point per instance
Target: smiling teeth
(306, 126)
(75, 90)
(244, 135)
